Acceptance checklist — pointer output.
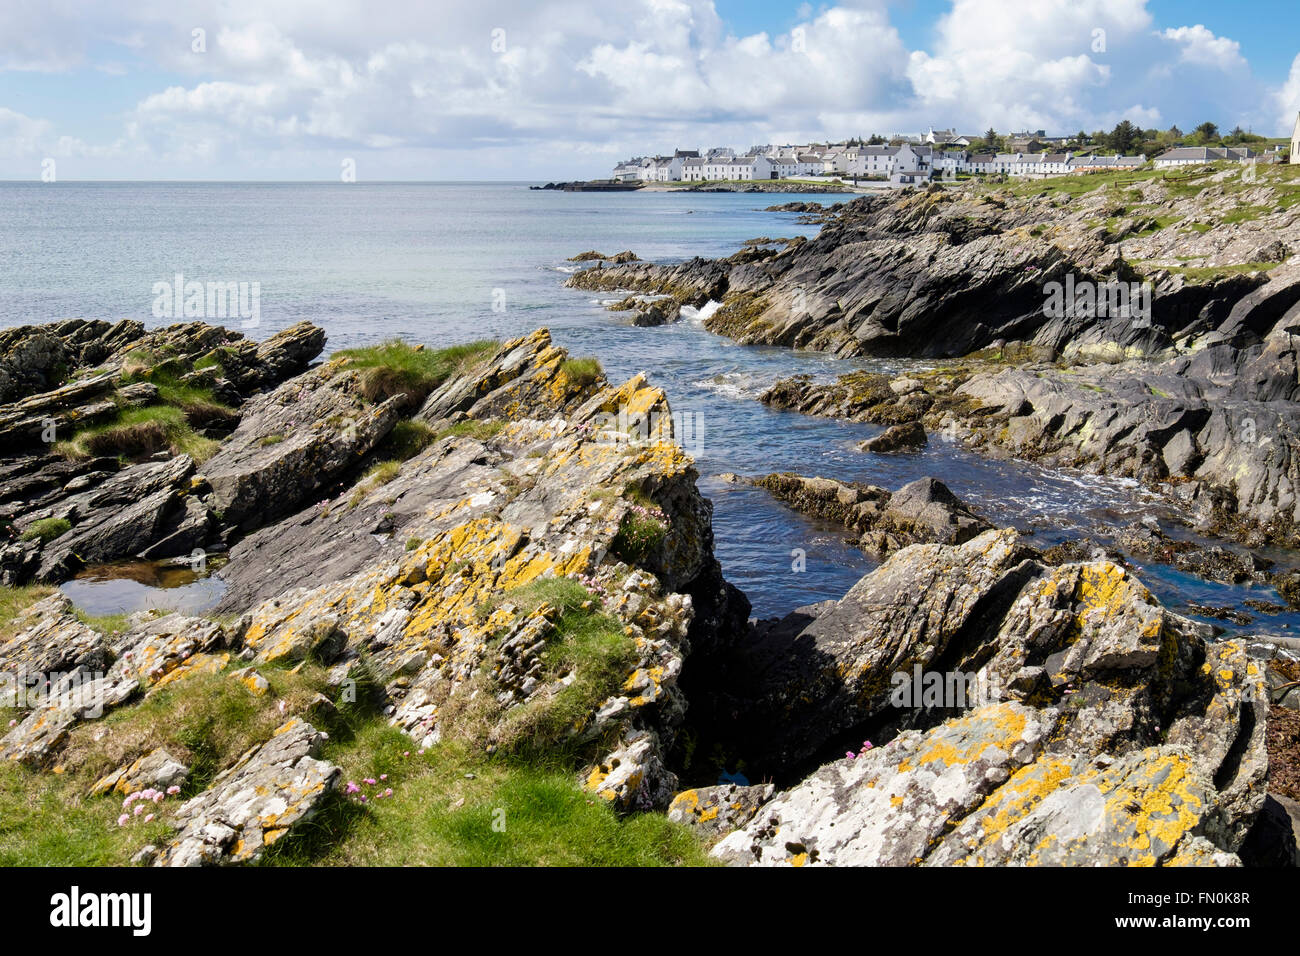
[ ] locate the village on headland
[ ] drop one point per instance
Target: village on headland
(941, 154)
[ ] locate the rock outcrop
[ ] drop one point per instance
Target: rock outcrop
(257, 801)
(924, 510)
(1084, 723)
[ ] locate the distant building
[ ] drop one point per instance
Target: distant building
(1091, 164)
(1199, 155)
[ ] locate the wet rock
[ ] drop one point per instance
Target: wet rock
(924, 510)
(896, 438)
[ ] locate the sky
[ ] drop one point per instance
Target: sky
(563, 89)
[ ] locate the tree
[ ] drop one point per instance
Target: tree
(1207, 132)
(1125, 137)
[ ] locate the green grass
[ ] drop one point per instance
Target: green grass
(394, 368)
(452, 809)
(14, 601)
(473, 428)
(455, 804)
(638, 536)
(380, 473)
(405, 440)
(136, 433)
(106, 624)
(205, 721)
(582, 371)
(47, 529)
(47, 820)
(1244, 214)
(1206, 273)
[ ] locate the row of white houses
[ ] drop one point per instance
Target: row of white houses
(905, 163)
(900, 164)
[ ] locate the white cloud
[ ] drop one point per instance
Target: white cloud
(1288, 98)
(580, 82)
(1201, 47)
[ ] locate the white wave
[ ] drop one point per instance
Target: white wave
(733, 384)
(692, 314)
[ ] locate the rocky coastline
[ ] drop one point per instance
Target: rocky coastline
(489, 562)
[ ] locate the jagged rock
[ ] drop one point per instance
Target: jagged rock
(157, 769)
(127, 513)
(50, 639)
(896, 438)
(259, 800)
(525, 378)
(293, 441)
(1099, 719)
(716, 811)
(659, 312)
(921, 511)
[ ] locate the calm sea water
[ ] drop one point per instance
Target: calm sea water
(426, 262)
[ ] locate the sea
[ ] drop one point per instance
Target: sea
(442, 263)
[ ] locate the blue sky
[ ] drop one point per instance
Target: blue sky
(550, 89)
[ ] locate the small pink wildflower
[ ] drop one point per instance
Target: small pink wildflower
(139, 809)
(369, 781)
(388, 792)
(383, 776)
(850, 754)
(173, 790)
(13, 723)
(352, 787)
(123, 819)
(149, 818)
(282, 706)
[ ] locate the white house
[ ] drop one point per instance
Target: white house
(1199, 155)
(810, 164)
(1090, 164)
(693, 170)
(783, 167)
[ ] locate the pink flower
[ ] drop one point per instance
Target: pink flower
(173, 790)
(352, 787)
(383, 776)
(866, 745)
(850, 754)
(388, 792)
(363, 798)
(123, 820)
(139, 809)
(158, 795)
(369, 781)
(149, 818)
(282, 706)
(13, 723)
